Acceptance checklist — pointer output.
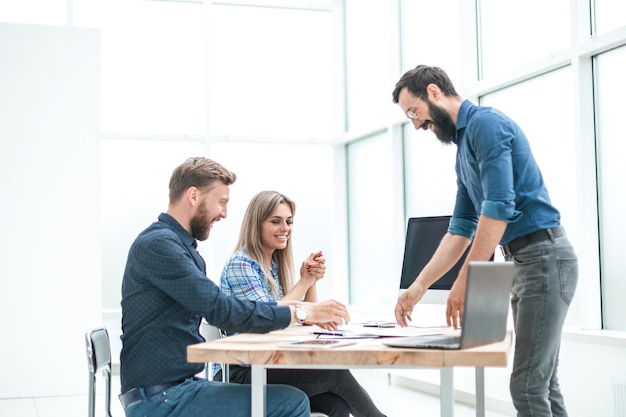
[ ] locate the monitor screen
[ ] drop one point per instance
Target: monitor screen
(423, 235)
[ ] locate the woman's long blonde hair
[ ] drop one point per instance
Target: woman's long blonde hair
(260, 209)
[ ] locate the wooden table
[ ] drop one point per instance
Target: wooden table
(262, 351)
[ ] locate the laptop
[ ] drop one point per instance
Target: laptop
(487, 299)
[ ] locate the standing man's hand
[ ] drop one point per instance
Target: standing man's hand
(406, 302)
(456, 302)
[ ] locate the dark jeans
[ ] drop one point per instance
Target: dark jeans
(334, 392)
(545, 278)
(202, 398)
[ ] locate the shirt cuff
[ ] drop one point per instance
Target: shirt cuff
(462, 227)
(283, 315)
(500, 211)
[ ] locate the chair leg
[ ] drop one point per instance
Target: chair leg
(92, 395)
(225, 373)
(107, 376)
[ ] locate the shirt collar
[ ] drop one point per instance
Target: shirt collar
(461, 120)
(184, 235)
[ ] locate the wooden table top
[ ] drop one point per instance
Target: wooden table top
(259, 349)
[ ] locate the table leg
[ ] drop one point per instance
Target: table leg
(480, 391)
(446, 396)
(258, 382)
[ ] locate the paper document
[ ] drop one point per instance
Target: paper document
(361, 331)
(317, 343)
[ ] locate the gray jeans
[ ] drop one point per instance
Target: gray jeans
(545, 278)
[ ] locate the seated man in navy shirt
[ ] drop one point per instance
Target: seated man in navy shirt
(165, 294)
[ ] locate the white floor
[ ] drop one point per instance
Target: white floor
(395, 401)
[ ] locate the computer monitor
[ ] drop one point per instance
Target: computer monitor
(423, 236)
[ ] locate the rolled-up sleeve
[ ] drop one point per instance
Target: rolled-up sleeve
(488, 168)
(462, 227)
(494, 146)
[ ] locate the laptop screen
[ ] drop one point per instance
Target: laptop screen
(423, 235)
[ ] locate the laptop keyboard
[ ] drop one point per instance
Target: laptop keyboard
(443, 342)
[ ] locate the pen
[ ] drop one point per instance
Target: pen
(329, 333)
(380, 325)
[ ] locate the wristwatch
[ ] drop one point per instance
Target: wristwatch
(301, 314)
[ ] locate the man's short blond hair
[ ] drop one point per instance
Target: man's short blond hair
(199, 172)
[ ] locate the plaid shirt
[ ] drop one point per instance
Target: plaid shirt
(243, 277)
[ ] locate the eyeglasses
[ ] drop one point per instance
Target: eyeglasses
(410, 113)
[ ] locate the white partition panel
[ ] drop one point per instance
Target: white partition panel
(50, 251)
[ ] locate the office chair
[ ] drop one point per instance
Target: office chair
(209, 333)
(99, 360)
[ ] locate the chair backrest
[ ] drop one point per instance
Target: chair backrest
(210, 332)
(99, 361)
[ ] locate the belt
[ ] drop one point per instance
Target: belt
(543, 234)
(134, 395)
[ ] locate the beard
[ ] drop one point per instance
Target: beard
(199, 223)
(442, 125)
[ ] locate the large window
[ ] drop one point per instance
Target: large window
(375, 244)
(537, 68)
(423, 41)
(609, 15)
(370, 30)
(277, 89)
(610, 92)
(271, 73)
(514, 33)
(153, 65)
(430, 178)
(253, 85)
(399, 173)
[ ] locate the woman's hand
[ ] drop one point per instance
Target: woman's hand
(313, 267)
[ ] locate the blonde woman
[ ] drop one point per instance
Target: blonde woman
(262, 269)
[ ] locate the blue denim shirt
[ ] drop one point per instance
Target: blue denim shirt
(165, 293)
(497, 176)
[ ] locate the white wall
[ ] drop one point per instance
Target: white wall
(50, 250)
(589, 361)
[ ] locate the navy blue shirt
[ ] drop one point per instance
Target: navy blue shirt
(497, 176)
(165, 293)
